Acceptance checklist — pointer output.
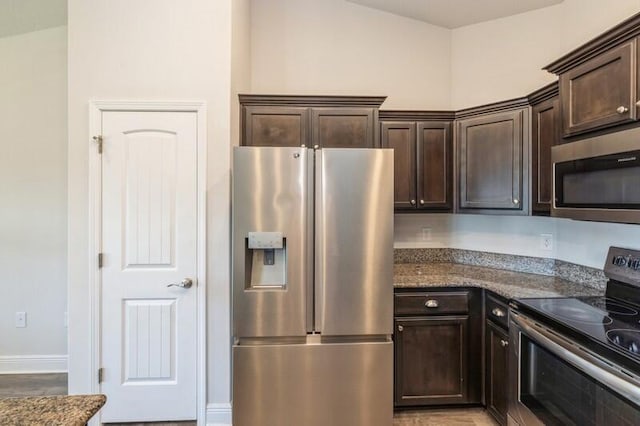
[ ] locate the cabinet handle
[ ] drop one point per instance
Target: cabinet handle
(316, 147)
(504, 343)
(498, 312)
(622, 109)
(516, 201)
(413, 202)
(422, 202)
(431, 303)
(400, 328)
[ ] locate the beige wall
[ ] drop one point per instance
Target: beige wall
(160, 50)
(33, 168)
(337, 47)
(502, 59)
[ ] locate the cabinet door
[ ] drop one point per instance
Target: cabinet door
(435, 161)
(491, 162)
(275, 126)
(600, 92)
(545, 134)
(431, 360)
(343, 128)
(401, 137)
(497, 382)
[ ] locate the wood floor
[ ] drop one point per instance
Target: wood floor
(13, 385)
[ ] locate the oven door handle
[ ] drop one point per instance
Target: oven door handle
(623, 383)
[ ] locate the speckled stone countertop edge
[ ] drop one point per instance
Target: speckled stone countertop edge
(508, 284)
(579, 274)
(67, 410)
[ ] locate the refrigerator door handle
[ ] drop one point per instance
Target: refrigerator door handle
(309, 240)
(318, 243)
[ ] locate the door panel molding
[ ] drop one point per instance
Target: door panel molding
(96, 109)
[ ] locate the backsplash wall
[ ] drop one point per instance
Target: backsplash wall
(584, 243)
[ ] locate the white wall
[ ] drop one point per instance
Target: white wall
(142, 50)
(584, 243)
(338, 47)
(33, 226)
(503, 58)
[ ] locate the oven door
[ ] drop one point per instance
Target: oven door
(597, 178)
(555, 382)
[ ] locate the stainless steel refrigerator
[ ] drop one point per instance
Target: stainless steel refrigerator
(312, 287)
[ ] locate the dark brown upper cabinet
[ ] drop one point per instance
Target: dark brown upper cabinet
(343, 128)
(599, 80)
(423, 156)
(493, 155)
(275, 126)
(546, 131)
(600, 92)
(313, 121)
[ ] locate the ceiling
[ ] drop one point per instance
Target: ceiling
(456, 13)
(23, 16)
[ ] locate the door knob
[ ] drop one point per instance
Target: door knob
(422, 202)
(413, 202)
(186, 283)
(622, 109)
(400, 328)
(504, 343)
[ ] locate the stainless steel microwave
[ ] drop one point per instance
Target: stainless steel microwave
(598, 178)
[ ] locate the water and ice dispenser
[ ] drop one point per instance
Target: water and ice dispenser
(266, 260)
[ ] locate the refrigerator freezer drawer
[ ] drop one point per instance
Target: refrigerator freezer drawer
(343, 384)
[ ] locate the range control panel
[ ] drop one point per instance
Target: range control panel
(623, 265)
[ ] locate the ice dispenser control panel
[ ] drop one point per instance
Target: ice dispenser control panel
(265, 240)
(266, 252)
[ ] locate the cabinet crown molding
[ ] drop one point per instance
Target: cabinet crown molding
(312, 101)
(408, 115)
(615, 36)
(494, 107)
(547, 92)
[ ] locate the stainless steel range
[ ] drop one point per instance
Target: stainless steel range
(576, 361)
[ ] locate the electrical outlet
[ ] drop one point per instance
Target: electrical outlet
(21, 319)
(426, 234)
(546, 242)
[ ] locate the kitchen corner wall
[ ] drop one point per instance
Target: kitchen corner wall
(33, 206)
(335, 47)
(338, 47)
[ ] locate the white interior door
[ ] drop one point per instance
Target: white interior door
(149, 230)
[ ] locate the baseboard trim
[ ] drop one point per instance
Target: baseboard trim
(219, 414)
(27, 364)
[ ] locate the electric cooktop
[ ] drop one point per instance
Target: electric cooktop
(609, 325)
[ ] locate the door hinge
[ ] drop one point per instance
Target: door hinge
(98, 141)
(100, 374)
(100, 260)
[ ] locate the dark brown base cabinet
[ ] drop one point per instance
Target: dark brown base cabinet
(437, 348)
(496, 356)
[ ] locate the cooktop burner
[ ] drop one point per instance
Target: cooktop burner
(628, 340)
(610, 322)
(575, 310)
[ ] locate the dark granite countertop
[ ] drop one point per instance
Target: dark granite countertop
(50, 410)
(509, 284)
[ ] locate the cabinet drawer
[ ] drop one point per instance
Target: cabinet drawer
(428, 303)
(497, 311)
